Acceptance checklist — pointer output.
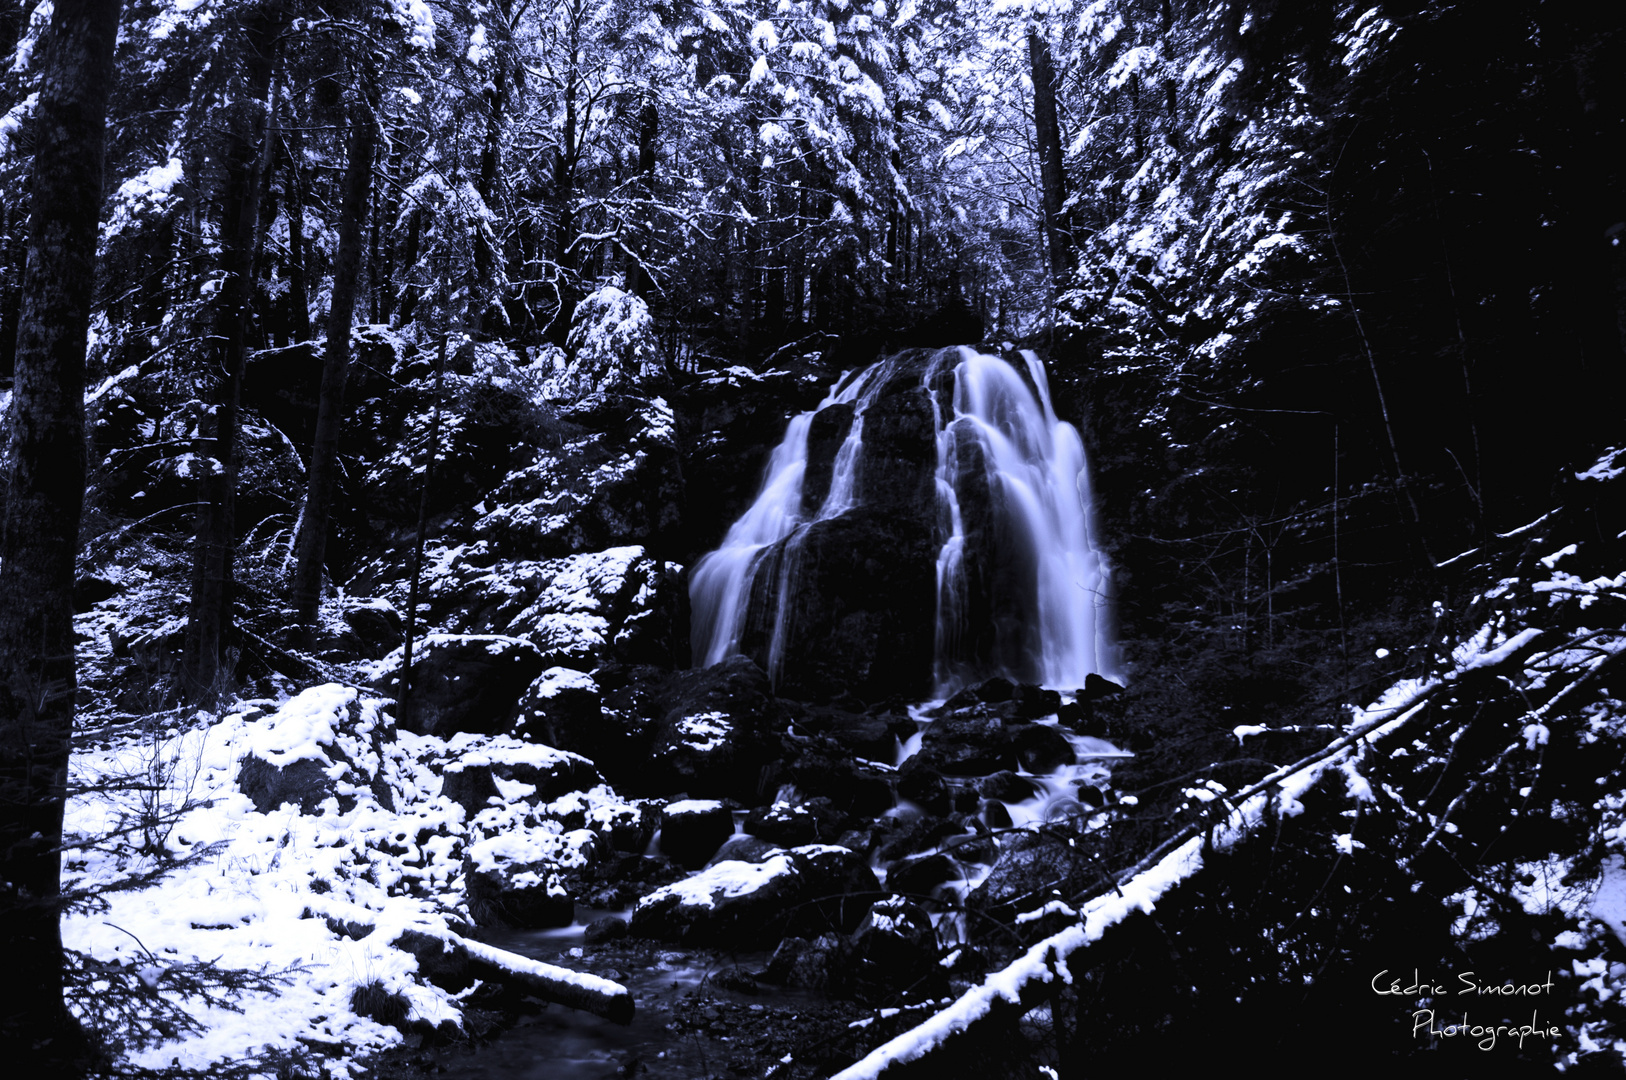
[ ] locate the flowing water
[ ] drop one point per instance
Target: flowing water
(999, 442)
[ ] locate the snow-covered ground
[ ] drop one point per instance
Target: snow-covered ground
(178, 869)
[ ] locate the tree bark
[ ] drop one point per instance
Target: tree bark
(649, 126)
(299, 310)
(208, 629)
(45, 486)
(1053, 179)
(311, 543)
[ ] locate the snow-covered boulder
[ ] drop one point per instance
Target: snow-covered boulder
(462, 682)
(542, 829)
(562, 699)
(693, 829)
(507, 770)
(326, 743)
(514, 878)
(752, 905)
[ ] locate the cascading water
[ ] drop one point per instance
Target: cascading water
(1019, 588)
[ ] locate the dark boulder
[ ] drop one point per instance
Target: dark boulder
(521, 896)
(376, 624)
(923, 875)
(604, 929)
(924, 786)
(873, 736)
(718, 735)
(850, 786)
(462, 682)
(896, 947)
(1033, 869)
(824, 963)
(743, 847)
(559, 707)
(692, 830)
(618, 879)
(1042, 749)
(968, 743)
(444, 963)
(1006, 786)
(793, 824)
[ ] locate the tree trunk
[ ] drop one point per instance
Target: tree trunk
(45, 486)
(311, 543)
(1053, 180)
(299, 308)
(208, 628)
(649, 125)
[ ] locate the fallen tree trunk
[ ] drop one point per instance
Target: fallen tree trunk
(573, 989)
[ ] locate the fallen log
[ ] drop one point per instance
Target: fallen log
(572, 989)
(443, 953)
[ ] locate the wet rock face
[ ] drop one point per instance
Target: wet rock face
(810, 890)
(462, 682)
(824, 438)
(735, 418)
(858, 619)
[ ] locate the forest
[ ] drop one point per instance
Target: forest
(811, 538)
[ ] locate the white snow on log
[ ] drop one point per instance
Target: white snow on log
(524, 965)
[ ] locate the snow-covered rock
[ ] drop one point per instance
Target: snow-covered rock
(507, 770)
(326, 743)
(579, 610)
(753, 905)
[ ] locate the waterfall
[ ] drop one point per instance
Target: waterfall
(1019, 586)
